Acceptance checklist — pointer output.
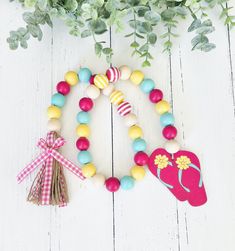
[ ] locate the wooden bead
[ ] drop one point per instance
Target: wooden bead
(53, 112)
(88, 170)
(135, 132)
(141, 158)
(83, 130)
(108, 90)
(172, 146)
(54, 125)
(86, 104)
(101, 81)
(58, 100)
(82, 144)
(155, 95)
(113, 74)
(84, 75)
(93, 92)
(130, 119)
(147, 85)
(138, 172)
(127, 182)
(116, 97)
(112, 184)
(125, 72)
(98, 180)
(162, 107)
(84, 157)
(136, 77)
(124, 108)
(71, 77)
(92, 78)
(169, 132)
(63, 88)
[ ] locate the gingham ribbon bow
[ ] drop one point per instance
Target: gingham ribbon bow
(50, 151)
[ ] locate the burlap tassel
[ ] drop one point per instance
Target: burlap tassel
(58, 194)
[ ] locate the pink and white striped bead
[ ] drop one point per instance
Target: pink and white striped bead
(124, 108)
(113, 74)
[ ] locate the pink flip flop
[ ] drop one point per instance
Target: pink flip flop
(180, 173)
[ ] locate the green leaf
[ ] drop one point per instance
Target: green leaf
(146, 63)
(168, 14)
(71, 5)
(152, 38)
(194, 25)
(135, 44)
(107, 51)
(29, 3)
(86, 33)
(152, 17)
(98, 48)
(208, 47)
(29, 18)
(24, 44)
(98, 26)
(14, 45)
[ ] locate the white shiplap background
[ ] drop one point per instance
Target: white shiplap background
(148, 218)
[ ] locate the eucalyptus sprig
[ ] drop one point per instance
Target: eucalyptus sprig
(145, 18)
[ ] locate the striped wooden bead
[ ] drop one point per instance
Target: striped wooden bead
(116, 97)
(124, 108)
(113, 74)
(101, 81)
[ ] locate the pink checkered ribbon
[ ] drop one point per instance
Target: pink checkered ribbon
(50, 151)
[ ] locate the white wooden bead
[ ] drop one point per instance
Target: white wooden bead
(92, 91)
(98, 180)
(172, 146)
(54, 125)
(108, 90)
(130, 119)
(125, 72)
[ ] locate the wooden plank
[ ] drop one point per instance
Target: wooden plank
(203, 106)
(87, 221)
(25, 78)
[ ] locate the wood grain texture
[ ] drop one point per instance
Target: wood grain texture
(201, 90)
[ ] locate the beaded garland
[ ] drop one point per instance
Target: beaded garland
(178, 170)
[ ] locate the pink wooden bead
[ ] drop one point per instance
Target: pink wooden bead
(63, 88)
(113, 74)
(124, 108)
(112, 184)
(86, 104)
(82, 144)
(141, 158)
(92, 79)
(155, 95)
(169, 132)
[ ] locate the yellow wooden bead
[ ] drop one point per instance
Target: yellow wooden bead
(101, 81)
(138, 172)
(116, 97)
(83, 130)
(163, 106)
(135, 132)
(71, 77)
(88, 170)
(53, 112)
(137, 77)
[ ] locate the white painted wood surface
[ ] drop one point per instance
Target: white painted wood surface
(201, 89)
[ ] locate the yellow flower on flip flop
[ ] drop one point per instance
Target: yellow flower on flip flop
(161, 161)
(183, 162)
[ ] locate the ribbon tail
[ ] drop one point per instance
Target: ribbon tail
(47, 179)
(180, 173)
(164, 183)
(31, 167)
(68, 164)
(197, 169)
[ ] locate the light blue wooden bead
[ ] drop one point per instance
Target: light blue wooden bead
(84, 75)
(139, 145)
(127, 182)
(58, 100)
(167, 119)
(83, 117)
(147, 85)
(84, 157)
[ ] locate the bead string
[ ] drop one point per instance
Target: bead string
(102, 82)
